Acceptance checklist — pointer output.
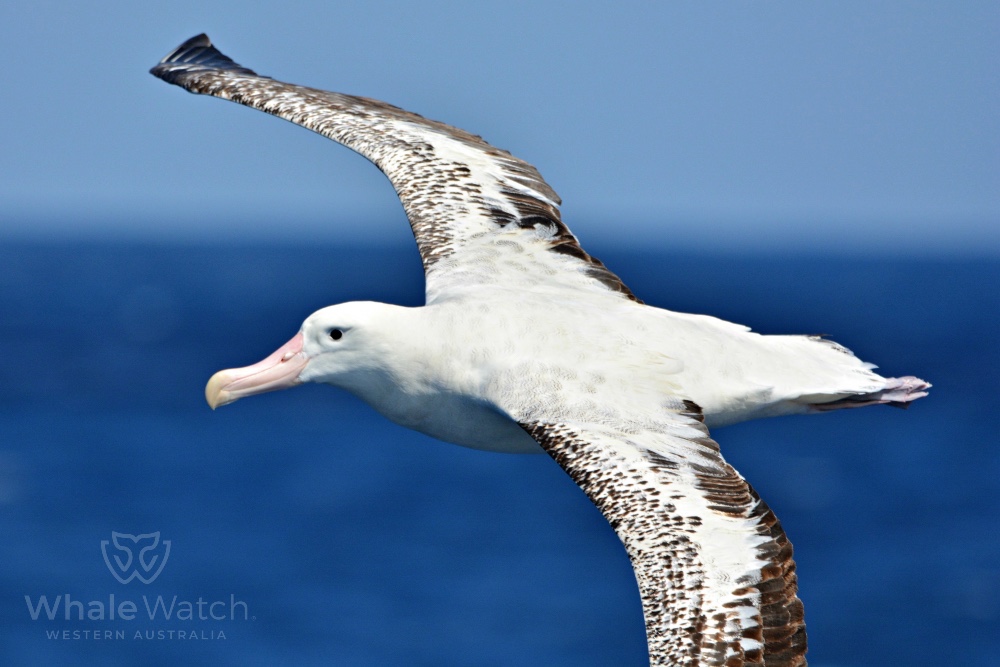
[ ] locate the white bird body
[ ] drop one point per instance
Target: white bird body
(528, 343)
(452, 369)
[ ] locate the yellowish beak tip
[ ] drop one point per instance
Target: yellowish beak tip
(214, 393)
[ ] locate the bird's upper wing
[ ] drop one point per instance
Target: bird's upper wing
(714, 567)
(480, 215)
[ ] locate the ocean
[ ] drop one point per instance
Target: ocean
(305, 529)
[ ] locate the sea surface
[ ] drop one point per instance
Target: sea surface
(305, 529)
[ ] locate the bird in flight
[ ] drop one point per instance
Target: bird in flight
(528, 343)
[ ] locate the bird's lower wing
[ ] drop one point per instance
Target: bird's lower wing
(714, 567)
(480, 216)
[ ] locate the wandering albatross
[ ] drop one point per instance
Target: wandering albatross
(527, 341)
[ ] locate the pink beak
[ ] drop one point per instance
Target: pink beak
(279, 371)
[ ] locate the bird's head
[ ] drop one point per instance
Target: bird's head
(335, 345)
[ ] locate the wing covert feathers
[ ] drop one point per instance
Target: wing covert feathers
(476, 211)
(714, 567)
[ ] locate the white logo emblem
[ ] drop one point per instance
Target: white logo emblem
(139, 557)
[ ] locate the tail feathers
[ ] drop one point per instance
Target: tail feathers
(898, 392)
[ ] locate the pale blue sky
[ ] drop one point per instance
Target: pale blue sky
(846, 126)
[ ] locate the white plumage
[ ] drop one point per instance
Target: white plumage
(527, 342)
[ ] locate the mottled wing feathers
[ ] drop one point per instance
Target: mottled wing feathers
(480, 216)
(714, 567)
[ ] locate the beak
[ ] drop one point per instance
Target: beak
(279, 371)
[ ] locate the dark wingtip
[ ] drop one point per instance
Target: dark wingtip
(195, 55)
(201, 40)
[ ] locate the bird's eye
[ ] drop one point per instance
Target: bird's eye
(336, 334)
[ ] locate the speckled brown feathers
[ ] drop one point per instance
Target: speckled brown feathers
(673, 530)
(466, 200)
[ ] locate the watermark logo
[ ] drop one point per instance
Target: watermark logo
(145, 616)
(139, 557)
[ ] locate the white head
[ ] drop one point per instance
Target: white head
(335, 345)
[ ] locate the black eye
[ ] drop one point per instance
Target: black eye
(336, 334)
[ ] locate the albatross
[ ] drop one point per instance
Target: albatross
(528, 343)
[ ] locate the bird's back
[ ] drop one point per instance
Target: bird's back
(630, 351)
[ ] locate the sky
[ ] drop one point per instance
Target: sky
(850, 127)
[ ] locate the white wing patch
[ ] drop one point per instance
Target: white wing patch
(714, 567)
(474, 205)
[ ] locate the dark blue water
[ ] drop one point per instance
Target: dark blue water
(350, 541)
